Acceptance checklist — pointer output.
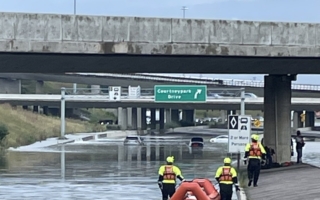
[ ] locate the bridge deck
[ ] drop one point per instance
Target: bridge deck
(288, 183)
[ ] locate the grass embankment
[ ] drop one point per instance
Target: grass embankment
(25, 127)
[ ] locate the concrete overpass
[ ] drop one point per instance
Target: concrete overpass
(76, 43)
(150, 80)
(47, 43)
(102, 101)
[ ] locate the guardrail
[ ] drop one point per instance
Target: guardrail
(200, 80)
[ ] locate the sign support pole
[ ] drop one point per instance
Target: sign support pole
(242, 112)
(62, 113)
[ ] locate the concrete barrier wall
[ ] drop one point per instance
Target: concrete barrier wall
(103, 34)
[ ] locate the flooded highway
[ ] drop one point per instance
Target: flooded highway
(100, 170)
(107, 170)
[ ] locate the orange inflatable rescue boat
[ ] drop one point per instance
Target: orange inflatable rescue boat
(197, 189)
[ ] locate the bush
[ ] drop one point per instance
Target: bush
(171, 125)
(113, 127)
(3, 131)
(99, 114)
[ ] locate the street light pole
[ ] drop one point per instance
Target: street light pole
(184, 8)
(74, 7)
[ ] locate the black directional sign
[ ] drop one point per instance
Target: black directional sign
(233, 121)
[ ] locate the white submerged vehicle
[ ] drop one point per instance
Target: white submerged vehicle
(221, 139)
(133, 140)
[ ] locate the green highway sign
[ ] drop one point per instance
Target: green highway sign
(180, 93)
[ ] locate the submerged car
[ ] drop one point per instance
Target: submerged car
(196, 142)
(133, 140)
(220, 139)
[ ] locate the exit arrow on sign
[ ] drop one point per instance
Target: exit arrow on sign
(197, 93)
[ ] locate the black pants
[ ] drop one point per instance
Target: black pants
(226, 191)
(254, 167)
(168, 190)
(299, 155)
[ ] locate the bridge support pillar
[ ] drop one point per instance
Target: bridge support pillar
(153, 122)
(297, 123)
(188, 116)
(223, 115)
(167, 115)
(134, 118)
(129, 119)
(277, 115)
(175, 115)
(161, 120)
(9, 86)
(122, 118)
(139, 119)
(310, 119)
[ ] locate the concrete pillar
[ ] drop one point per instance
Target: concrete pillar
(8, 86)
(134, 118)
(277, 115)
(223, 115)
(188, 115)
(129, 119)
(153, 118)
(139, 119)
(95, 89)
(310, 119)
(39, 87)
(175, 115)
(144, 118)
(161, 120)
(122, 118)
(297, 123)
(167, 115)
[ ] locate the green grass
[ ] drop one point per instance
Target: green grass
(29, 87)
(26, 127)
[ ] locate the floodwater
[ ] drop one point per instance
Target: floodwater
(101, 170)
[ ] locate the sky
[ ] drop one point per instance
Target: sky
(254, 10)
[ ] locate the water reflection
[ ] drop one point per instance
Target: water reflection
(101, 171)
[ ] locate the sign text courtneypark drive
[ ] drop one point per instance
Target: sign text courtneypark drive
(180, 93)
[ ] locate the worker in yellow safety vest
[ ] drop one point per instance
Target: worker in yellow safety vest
(167, 178)
(254, 152)
(227, 177)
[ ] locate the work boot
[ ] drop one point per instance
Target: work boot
(250, 182)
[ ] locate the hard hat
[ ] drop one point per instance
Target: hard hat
(255, 137)
(227, 160)
(170, 159)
